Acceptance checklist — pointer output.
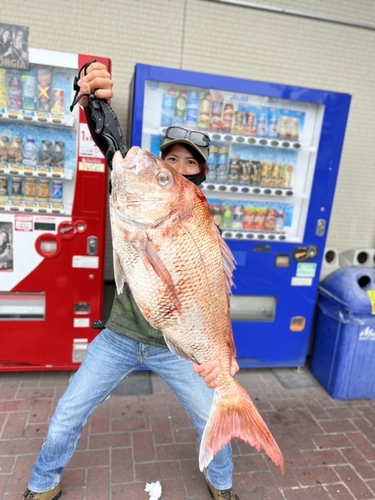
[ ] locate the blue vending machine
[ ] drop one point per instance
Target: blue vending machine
(273, 161)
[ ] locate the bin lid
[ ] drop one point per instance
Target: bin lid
(348, 288)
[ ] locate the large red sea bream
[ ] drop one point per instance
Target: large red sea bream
(179, 269)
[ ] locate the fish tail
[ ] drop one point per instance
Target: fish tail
(234, 415)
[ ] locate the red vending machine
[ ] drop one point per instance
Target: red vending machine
(53, 197)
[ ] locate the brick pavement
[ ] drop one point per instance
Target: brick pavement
(328, 446)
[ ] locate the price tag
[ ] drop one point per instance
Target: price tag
(87, 146)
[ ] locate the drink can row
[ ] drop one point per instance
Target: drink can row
(30, 90)
(248, 218)
(30, 188)
(247, 172)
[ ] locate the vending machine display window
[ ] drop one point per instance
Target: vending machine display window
(38, 140)
(262, 155)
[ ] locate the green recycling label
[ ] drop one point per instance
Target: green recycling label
(306, 269)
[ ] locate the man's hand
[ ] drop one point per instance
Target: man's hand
(210, 372)
(97, 81)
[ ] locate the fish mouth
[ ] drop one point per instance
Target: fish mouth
(128, 201)
(120, 164)
(135, 163)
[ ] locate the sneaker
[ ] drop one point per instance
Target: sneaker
(46, 495)
(221, 494)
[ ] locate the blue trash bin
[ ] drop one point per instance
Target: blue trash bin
(343, 353)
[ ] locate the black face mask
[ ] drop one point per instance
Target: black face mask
(196, 179)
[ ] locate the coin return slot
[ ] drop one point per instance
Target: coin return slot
(252, 308)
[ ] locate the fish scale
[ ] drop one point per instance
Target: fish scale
(179, 270)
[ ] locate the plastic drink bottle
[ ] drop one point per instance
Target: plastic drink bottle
(15, 93)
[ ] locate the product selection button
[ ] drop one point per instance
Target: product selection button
(282, 260)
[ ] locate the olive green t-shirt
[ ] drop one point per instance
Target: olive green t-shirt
(126, 319)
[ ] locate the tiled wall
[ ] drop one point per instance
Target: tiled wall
(243, 42)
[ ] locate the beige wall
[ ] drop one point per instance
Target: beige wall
(236, 41)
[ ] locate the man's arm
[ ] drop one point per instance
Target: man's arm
(93, 89)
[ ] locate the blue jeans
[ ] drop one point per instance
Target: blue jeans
(109, 359)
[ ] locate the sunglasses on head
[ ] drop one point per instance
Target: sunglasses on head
(197, 138)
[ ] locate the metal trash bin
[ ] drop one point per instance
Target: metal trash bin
(343, 353)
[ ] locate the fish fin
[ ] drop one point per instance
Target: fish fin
(229, 264)
(176, 350)
(234, 415)
(151, 258)
(119, 273)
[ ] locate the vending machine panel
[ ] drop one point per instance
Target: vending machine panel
(274, 160)
(53, 197)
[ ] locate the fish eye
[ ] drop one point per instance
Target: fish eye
(162, 178)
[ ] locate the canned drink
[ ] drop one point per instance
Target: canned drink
(4, 140)
(227, 217)
(30, 152)
(294, 129)
(217, 111)
(45, 153)
(239, 122)
(270, 220)
(276, 175)
(168, 104)
(58, 101)
(272, 124)
(255, 173)
(222, 165)
(251, 127)
(248, 218)
(192, 107)
(58, 154)
(44, 89)
(234, 171)
(227, 117)
(215, 124)
(30, 188)
(57, 190)
(204, 114)
(237, 221)
(283, 127)
(180, 109)
(279, 223)
(29, 87)
(3, 186)
(212, 163)
(16, 187)
(265, 173)
(259, 218)
(217, 106)
(262, 125)
(287, 176)
(43, 189)
(244, 172)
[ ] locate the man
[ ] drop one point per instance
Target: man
(129, 342)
